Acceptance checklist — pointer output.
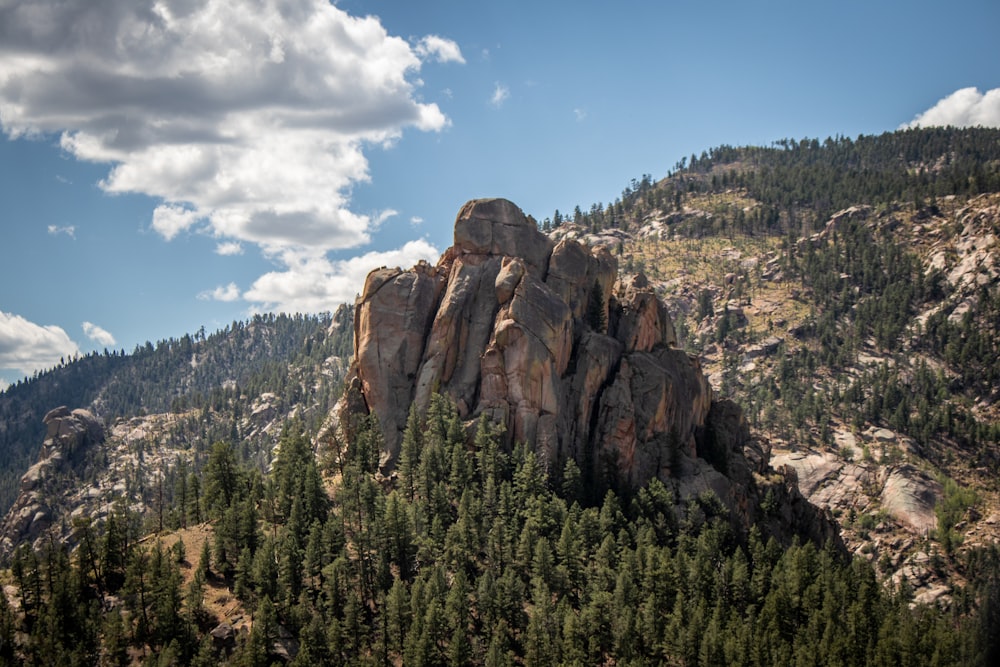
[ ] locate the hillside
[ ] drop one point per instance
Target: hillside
(847, 295)
(217, 377)
(545, 458)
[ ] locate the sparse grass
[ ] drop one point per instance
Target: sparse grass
(218, 601)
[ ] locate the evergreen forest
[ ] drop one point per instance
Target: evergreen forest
(469, 557)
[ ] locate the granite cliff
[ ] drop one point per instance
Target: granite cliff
(69, 435)
(547, 340)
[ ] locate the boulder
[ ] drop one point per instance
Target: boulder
(765, 348)
(909, 495)
(509, 277)
(223, 637)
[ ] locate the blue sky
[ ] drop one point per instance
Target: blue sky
(175, 164)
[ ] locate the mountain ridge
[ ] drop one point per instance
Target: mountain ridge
(854, 347)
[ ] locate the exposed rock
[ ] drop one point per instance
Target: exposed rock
(802, 330)
(223, 637)
(883, 435)
(641, 321)
(734, 314)
(837, 220)
(68, 435)
(847, 445)
(511, 272)
(391, 322)
(827, 480)
(909, 495)
(935, 594)
(285, 646)
(542, 340)
(765, 348)
(575, 271)
(498, 228)
(88, 472)
(265, 411)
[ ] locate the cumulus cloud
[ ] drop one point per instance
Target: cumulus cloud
(442, 50)
(966, 107)
(229, 248)
(97, 334)
(170, 220)
(313, 284)
(69, 230)
(500, 95)
(249, 125)
(27, 347)
(226, 293)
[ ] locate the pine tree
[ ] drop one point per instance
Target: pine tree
(597, 314)
(221, 476)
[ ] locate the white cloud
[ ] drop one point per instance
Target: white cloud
(226, 293)
(416, 221)
(3, 385)
(97, 334)
(27, 347)
(250, 125)
(443, 50)
(385, 215)
(69, 230)
(315, 284)
(966, 107)
(170, 220)
(500, 95)
(229, 248)
(581, 114)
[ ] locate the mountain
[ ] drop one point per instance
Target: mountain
(746, 414)
(847, 295)
(153, 415)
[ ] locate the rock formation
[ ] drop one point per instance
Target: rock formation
(69, 434)
(547, 341)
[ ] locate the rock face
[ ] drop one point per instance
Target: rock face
(542, 339)
(539, 337)
(69, 434)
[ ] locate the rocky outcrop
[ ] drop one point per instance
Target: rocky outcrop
(87, 472)
(68, 435)
(904, 493)
(538, 336)
(545, 340)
